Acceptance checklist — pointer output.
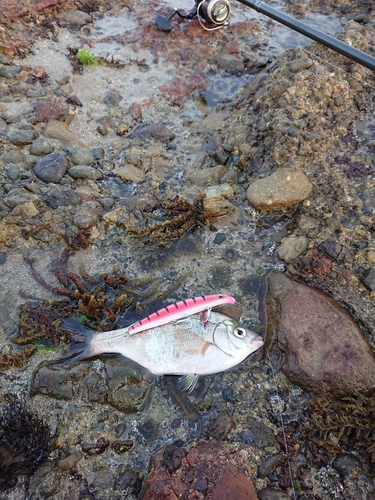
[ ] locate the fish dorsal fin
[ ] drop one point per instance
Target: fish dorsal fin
(187, 383)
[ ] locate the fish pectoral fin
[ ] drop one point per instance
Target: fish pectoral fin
(187, 382)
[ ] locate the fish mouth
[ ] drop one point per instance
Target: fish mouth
(257, 341)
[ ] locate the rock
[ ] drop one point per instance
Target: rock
(61, 198)
(283, 188)
(22, 137)
(50, 110)
(12, 171)
(320, 258)
(79, 156)
(300, 64)
(10, 72)
(156, 131)
(291, 247)
(325, 350)
(208, 470)
(85, 172)
(215, 193)
(258, 434)
(176, 90)
(60, 131)
(369, 279)
(52, 167)
(273, 494)
(128, 481)
(70, 461)
(348, 465)
(88, 214)
(219, 238)
(130, 173)
(19, 196)
(206, 175)
(122, 447)
(74, 17)
(112, 97)
(269, 464)
(220, 426)
(135, 111)
(41, 147)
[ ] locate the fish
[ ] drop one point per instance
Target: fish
(201, 344)
(179, 310)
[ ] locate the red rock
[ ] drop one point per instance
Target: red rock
(325, 350)
(233, 47)
(49, 110)
(234, 485)
(197, 81)
(176, 90)
(135, 110)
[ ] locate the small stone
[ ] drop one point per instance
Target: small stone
(122, 129)
(283, 188)
(219, 238)
(300, 64)
(220, 426)
(269, 465)
(233, 485)
(130, 173)
(41, 147)
(122, 447)
(74, 17)
(176, 90)
(369, 279)
(85, 172)
(257, 434)
(102, 129)
(50, 110)
(70, 461)
(292, 247)
(52, 167)
(73, 99)
(22, 137)
(273, 494)
(218, 192)
(12, 171)
(128, 481)
(9, 72)
(60, 131)
(79, 156)
(88, 214)
(347, 465)
(206, 175)
(135, 111)
(95, 448)
(112, 98)
(61, 198)
(156, 131)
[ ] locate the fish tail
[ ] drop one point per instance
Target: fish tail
(82, 349)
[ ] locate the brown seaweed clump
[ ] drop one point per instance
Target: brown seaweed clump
(181, 218)
(347, 423)
(25, 441)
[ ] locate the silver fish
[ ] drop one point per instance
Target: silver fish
(201, 344)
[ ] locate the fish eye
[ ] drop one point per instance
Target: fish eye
(221, 296)
(240, 333)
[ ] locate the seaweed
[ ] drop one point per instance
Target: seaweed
(347, 423)
(25, 441)
(181, 217)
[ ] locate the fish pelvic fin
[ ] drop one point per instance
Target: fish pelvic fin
(82, 348)
(187, 383)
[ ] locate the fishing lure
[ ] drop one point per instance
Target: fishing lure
(180, 310)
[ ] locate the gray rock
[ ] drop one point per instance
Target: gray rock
(369, 279)
(52, 167)
(283, 188)
(19, 196)
(88, 214)
(41, 147)
(130, 173)
(112, 97)
(62, 198)
(325, 350)
(22, 137)
(206, 175)
(300, 64)
(85, 172)
(272, 494)
(70, 461)
(12, 171)
(9, 72)
(79, 156)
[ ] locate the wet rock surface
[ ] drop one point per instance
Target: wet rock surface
(227, 114)
(325, 350)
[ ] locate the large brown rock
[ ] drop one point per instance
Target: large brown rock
(325, 350)
(283, 188)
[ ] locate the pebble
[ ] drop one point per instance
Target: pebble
(130, 173)
(156, 131)
(348, 465)
(79, 156)
(41, 147)
(300, 64)
(61, 198)
(60, 131)
(50, 110)
(291, 247)
(269, 464)
(219, 238)
(283, 188)
(257, 434)
(206, 175)
(70, 461)
(272, 494)
(325, 350)
(215, 193)
(52, 167)
(85, 172)
(112, 98)
(22, 137)
(12, 171)
(369, 279)
(88, 214)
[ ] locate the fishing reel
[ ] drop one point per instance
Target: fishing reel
(214, 12)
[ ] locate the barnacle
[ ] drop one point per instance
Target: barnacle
(25, 441)
(181, 217)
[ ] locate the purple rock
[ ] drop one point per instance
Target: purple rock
(52, 167)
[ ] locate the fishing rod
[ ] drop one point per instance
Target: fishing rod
(217, 12)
